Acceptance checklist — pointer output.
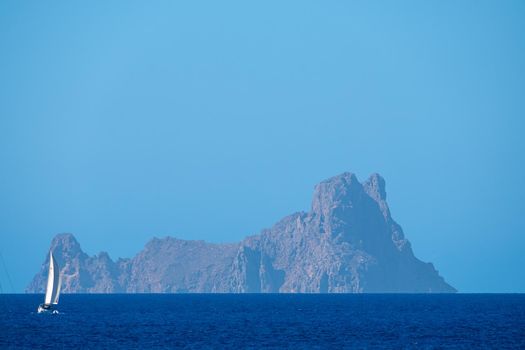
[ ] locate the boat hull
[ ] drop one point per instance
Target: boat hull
(43, 308)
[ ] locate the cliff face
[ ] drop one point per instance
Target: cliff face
(347, 243)
(172, 265)
(80, 273)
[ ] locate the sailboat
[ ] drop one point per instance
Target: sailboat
(53, 287)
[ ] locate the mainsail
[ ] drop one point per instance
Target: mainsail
(53, 282)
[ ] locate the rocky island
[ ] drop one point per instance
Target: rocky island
(347, 243)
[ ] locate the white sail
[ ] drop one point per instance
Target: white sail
(53, 282)
(55, 301)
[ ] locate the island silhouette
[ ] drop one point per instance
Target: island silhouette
(347, 243)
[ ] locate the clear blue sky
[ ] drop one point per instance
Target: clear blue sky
(124, 120)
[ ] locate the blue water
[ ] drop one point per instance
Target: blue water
(462, 321)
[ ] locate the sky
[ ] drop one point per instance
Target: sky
(125, 120)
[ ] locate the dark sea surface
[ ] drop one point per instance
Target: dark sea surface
(196, 321)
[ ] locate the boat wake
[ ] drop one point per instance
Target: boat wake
(54, 312)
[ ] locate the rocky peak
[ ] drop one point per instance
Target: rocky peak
(65, 241)
(104, 256)
(375, 187)
(65, 247)
(337, 191)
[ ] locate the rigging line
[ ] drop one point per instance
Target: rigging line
(7, 273)
(3, 298)
(7, 303)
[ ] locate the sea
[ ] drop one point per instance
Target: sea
(265, 321)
